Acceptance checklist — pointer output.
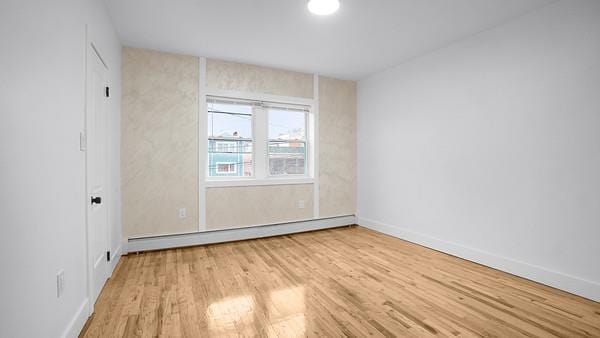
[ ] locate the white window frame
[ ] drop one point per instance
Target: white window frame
(235, 165)
(260, 141)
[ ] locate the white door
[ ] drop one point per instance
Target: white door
(97, 172)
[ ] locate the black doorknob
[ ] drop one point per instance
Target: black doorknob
(96, 200)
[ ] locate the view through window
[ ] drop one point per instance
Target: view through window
(245, 135)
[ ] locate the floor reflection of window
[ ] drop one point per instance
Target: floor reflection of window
(230, 315)
(287, 312)
(283, 315)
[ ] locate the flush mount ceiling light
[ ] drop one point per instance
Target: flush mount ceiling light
(323, 7)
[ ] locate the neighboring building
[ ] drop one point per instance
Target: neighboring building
(229, 157)
(287, 154)
(287, 158)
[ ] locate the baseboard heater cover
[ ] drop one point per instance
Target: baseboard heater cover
(229, 235)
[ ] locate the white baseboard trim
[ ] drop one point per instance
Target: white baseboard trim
(78, 321)
(114, 260)
(576, 285)
(124, 246)
(83, 313)
(219, 236)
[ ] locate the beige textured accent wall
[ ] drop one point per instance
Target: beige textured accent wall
(233, 207)
(160, 146)
(337, 147)
(159, 149)
(256, 79)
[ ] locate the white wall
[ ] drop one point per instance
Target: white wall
(490, 148)
(42, 187)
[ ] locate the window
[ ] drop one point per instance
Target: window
(256, 139)
(229, 138)
(287, 141)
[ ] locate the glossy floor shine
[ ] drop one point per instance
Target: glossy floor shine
(340, 282)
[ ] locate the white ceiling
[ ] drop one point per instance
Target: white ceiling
(363, 37)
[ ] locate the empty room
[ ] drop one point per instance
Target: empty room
(299, 168)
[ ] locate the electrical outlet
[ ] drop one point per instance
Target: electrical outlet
(60, 283)
(300, 204)
(182, 213)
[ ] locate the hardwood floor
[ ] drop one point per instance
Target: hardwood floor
(342, 282)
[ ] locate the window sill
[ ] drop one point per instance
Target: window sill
(248, 182)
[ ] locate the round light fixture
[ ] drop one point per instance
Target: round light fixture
(323, 7)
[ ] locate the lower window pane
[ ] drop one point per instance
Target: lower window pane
(287, 158)
(229, 158)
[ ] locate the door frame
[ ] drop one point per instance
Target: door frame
(92, 51)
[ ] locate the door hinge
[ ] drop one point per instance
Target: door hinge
(108, 256)
(107, 92)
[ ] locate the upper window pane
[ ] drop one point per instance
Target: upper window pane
(229, 120)
(287, 124)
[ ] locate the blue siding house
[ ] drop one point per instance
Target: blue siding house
(229, 158)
